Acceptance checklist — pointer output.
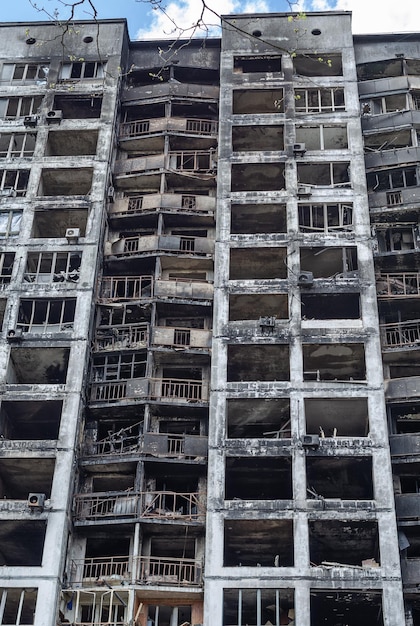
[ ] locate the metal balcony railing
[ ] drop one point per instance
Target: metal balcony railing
(116, 568)
(168, 505)
(178, 389)
(400, 334)
(155, 389)
(123, 441)
(167, 571)
(121, 337)
(116, 288)
(108, 392)
(138, 128)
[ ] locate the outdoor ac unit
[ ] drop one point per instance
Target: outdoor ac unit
(299, 148)
(54, 116)
(30, 120)
(36, 501)
(305, 279)
(304, 190)
(14, 335)
(72, 234)
(310, 441)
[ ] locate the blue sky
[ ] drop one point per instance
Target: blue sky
(368, 15)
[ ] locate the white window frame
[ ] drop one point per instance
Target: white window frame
(9, 71)
(345, 214)
(60, 272)
(54, 321)
(68, 69)
(17, 152)
(12, 222)
(11, 182)
(302, 105)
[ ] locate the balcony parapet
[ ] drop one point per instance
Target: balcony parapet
(396, 199)
(130, 337)
(407, 506)
(185, 289)
(384, 86)
(172, 202)
(162, 90)
(159, 389)
(404, 445)
(179, 161)
(136, 246)
(402, 388)
(166, 336)
(398, 285)
(190, 126)
(158, 505)
(393, 120)
(392, 158)
(400, 335)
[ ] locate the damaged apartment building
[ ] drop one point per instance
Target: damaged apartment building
(209, 294)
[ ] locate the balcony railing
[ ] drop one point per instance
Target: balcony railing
(121, 337)
(138, 128)
(123, 441)
(129, 246)
(148, 570)
(181, 337)
(400, 334)
(177, 389)
(115, 288)
(398, 285)
(154, 389)
(168, 505)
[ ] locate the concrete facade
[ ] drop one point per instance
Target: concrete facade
(196, 425)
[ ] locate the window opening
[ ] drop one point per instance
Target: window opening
(323, 100)
(10, 222)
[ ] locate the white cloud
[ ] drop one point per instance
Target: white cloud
(181, 16)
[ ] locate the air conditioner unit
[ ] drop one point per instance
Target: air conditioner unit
(299, 148)
(72, 234)
(30, 120)
(304, 190)
(54, 116)
(111, 193)
(14, 335)
(36, 501)
(305, 279)
(310, 441)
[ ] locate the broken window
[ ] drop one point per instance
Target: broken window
(96, 607)
(46, 316)
(345, 478)
(386, 104)
(20, 476)
(38, 366)
(168, 615)
(322, 100)
(257, 137)
(17, 606)
(252, 101)
(262, 478)
(258, 218)
(324, 174)
(344, 543)
(17, 145)
(380, 69)
(258, 362)
(72, 143)
(13, 182)
(397, 239)
(353, 608)
(32, 420)
(6, 266)
(258, 176)
(66, 181)
(53, 267)
(334, 362)
(10, 222)
(22, 543)
(24, 72)
(322, 306)
(260, 63)
(53, 223)
(325, 218)
(396, 178)
(257, 263)
(258, 307)
(112, 367)
(322, 137)
(405, 418)
(252, 543)
(22, 106)
(329, 262)
(78, 107)
(338, 417)
(325, 64)
(388, 140)
(258, 606)
(257, 418)
(82, 70)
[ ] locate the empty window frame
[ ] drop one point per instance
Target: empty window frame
(258, 176)
(258, 218)
(254, 101)
(53, 267)
(17, 606)
(255, 543)
(260, 63)
(322, 100)
(17, 145)
(349, 543)
(353, 608)
(30, 419)
(324, 174)
(328, 262)
(258, 606)
(78, 107)
(334, 362)
(257, 137)
(6, 267)
(388, 141)
(380, 69)
(15, 107)
(328, 306)
(397, 178)
(258, 263)
(323, 137)
(169, 615)
(258, 418)
(82, 70)
(10, 222)
(258, 478)
(341, 417)
(112, 367)
(13, 182)
(46, 316)
(325, 64)
(385, 104)
(325, 218)
(24, 72)
(66, 181)
(55, 222)
(258, 363)
(342, 477)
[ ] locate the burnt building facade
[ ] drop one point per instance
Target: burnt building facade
(209, 285)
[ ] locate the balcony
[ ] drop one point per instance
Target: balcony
(125, 288)
(395, 157)
(188, 204)
(149, 134)
(398, 285)
(400, 335)
(405, 445)
(144, 570)
(407, 505)
(153, 244)
(165, 336)
(402, 388)
(162, 90)
(390, 121)
(406, 197)
(121, 338)
(184, 288)
(160, 389)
